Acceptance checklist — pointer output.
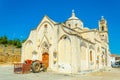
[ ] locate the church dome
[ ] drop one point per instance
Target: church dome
(74, 22)
(73, 16)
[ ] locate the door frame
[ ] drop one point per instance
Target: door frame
(45, 57)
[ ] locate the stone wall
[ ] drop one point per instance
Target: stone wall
(9, 54)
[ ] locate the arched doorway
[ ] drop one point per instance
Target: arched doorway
(45, 59)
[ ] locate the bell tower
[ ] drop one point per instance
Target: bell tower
(103, 29)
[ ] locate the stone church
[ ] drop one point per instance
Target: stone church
(68, 47)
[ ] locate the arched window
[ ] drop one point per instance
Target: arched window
(45, 28)
(45, 25)
(65, 37)
(90, 55)
(102, 28)
(69, 25)
(55, 57)
(75, 25)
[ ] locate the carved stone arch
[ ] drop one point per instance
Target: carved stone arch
(83, 50)
(45, 53)
(64, 51)
(28, 49)
(65, 37)
(45, 44)
(44, 23)
(91, 47)
(44, 47)
(83, 55)
(91, 56)
(45, 41)
(28, 41)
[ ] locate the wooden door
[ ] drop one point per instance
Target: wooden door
(45, 59)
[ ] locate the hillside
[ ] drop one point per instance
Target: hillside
(10, 50)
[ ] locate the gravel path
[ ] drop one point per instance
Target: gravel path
(6, 73)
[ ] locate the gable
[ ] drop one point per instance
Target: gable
(46, 21)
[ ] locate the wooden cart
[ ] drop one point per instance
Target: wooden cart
(22, 68)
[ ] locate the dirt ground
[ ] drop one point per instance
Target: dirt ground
(112, 74)
(7, 73)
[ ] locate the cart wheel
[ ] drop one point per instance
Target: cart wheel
(36, 67)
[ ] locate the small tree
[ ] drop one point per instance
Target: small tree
(10, 42)
(23, 40)
(4, 40)
(17, 43)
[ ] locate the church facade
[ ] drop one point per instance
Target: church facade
(68, 47)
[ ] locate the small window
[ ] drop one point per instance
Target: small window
(45, 28)
(102, 28)
(69, 25)
(65, 37)
(55, 55)
(90, 55)
(75, 25)
(45, 25)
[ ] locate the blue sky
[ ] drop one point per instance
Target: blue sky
(18, 17)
